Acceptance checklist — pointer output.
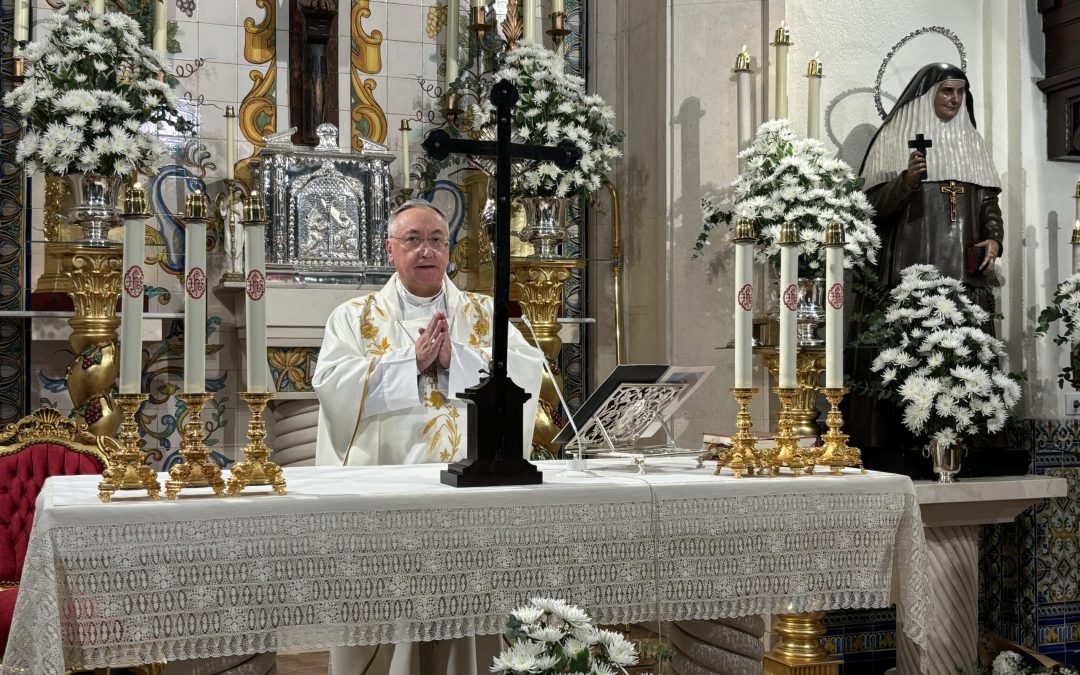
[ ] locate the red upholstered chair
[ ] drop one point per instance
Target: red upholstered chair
(42, 444)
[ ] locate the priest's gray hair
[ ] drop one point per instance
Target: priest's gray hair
(408, 206)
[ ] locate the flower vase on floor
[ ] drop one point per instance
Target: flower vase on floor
(545, 224)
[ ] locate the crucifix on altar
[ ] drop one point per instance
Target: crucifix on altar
(495, 405)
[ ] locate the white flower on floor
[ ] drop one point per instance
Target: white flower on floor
(553, 637)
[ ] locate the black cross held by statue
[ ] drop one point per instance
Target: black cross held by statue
(495, 405)
(921, 143)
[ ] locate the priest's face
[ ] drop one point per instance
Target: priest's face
(418, 248)
(949, 99)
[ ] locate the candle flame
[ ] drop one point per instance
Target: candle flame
(781, 24)
(816, 55)
(744, 49)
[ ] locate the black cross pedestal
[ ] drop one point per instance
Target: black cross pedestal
(921, 143)
(494, 406)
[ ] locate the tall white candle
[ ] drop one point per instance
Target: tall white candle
(195, 288)
(782, 42)
(742, 87)
(744, 301)
(136, 210)
(528, 20)
(230, 142)
(255, 306)
(834, 306)
(813, 98)
(479, 4)
(1076, 246)
(98, 7)
(21, 21)
(161, 30)
(405, 179)
(789, 298)
(558, 6)
(453, 23)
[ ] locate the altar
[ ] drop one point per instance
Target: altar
(367, 555)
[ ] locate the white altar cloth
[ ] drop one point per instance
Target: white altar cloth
(367, 555)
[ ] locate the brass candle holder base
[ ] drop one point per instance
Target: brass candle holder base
(558, 30)
(799, 650)
(741, 456)
(197, 469)
(256, 469)
(127, 469)
(834, 452)
(788, 453)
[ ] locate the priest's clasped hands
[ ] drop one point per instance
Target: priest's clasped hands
(434, 343)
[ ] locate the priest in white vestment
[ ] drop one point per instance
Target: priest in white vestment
(391, 366)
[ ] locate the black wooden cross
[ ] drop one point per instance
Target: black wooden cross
(495, 405)
(921, 143)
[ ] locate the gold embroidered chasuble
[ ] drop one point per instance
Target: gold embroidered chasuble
(375, 408)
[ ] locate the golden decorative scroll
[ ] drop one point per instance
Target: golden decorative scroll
(368, 118)
(258, 110)
(512, 28)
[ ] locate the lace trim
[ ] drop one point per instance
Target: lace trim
(146, 592)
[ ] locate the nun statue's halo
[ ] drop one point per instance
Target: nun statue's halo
(940, 30)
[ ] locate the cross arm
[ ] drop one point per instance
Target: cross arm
(439, 145)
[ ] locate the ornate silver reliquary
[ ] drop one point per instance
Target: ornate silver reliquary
(328, 209)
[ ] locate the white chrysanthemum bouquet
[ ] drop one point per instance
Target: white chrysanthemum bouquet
(1065, 307)
(789, 179)
(938, 362)
(1013, 663)
(553, 107)
(551, 636)
(89, 88)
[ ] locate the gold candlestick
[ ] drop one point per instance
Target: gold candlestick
(558, 30)
(127, 469)
(834, 452)
(788, 452)
(256, 469)
(479, 22)
(799, 651)
(197, 469)
(742, 455)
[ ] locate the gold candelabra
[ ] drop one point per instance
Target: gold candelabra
(256, 469)
(834, 452)
(741, 456)
(558, 30)
(196, 469)
(788, 452)
(799, 651)
(127, 469)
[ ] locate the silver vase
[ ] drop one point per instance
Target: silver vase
(946, 460)
(95, 204)
(545, 224)
(810, 312)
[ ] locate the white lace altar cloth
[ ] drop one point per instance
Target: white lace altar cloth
(367, 555)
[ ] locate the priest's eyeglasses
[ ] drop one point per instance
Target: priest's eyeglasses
(413, 242)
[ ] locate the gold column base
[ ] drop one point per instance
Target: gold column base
(834, 452)
(775, 666)
(197, 469)
(799, 650)
(127, 469)
(256, 469)
(741, 456)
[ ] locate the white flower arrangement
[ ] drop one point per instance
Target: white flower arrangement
(1066, 308)
(1012, 663)
(89, 87)
(553, 107)
(789, 179)
(938, 362)
(551, 636)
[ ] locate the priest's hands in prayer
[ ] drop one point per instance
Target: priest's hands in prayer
(915, 168)
(434, 343)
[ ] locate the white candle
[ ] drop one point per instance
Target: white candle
(131, 290)
(98, 6)
(834, 307)
(161, 30)
(813, 98)
(230, 142)
(558, 6)
(742, 85)
(21, 21)
(528, 20)
(195, 287)
(479, 4)
(1076, 246)
(789, 294)
(744, 298)
(405, 180)
(453, 22)
(782, 43)
(255, 306)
